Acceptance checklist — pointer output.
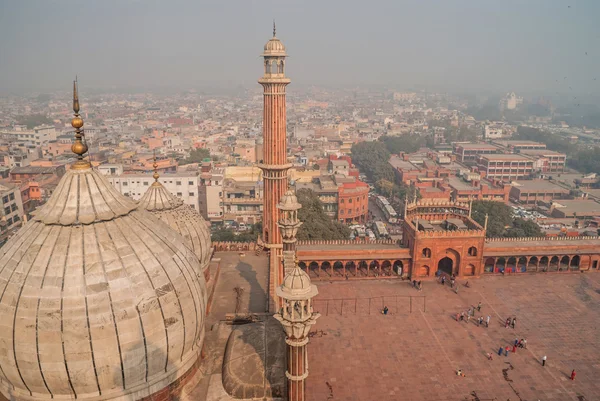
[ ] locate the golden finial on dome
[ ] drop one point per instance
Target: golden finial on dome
(274, 27)
(155, 165)
(79, 147)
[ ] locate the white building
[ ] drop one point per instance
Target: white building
(184, 185)
(11, 209)
(211, 195)
(510, 101)
(38, 136)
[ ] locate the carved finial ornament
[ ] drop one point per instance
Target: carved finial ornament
(79, 147)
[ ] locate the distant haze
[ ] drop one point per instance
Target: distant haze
(469, 45)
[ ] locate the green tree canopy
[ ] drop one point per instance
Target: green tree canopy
(501, 222)
(33, 120)
(228, 234)
(524, 228)
(196, 156)
(317, 225)
(408, 143)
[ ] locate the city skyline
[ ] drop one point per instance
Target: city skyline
(457, 46)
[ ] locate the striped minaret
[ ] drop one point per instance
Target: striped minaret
(274, 164)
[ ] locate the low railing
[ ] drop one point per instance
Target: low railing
(530, 239)
(348, 242)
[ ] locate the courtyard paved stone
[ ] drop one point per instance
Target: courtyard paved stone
(356, 353)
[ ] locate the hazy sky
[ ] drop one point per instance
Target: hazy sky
(522, 45)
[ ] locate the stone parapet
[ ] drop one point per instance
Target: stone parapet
(554, 239)
(347, 242)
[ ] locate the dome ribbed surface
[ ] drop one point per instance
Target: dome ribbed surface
(97, 300)
(181, 218)
(274, 47)
(158, 198)
(82, 197)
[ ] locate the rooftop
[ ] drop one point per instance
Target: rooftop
(541, 152)
(468, 146)
(538, 185)
(507, 157)
(579, 206)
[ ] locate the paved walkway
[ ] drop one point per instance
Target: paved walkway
(361, 354)
(249, 272)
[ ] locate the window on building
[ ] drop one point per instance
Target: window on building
(350, 200)
(472, 251)
(190, 182)
(126, 194)
(426, 252)
(177, 182)
(341, 201)
(125, 183)
(342, 211)
(146, 183)
(12, 196)
(13, 207)
(7, 210)
(17, 218)
(5, 199)
(191, 194)
(179, 194)
(9, 221)
(220, 193)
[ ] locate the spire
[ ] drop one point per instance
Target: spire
(79, 147)
(155, 175)
(274, 29)
(470, 206)
(486, 221)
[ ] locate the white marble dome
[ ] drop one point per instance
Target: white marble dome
(98, 300)
(181, 218)
(274, 47)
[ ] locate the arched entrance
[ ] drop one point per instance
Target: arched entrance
(446, 265)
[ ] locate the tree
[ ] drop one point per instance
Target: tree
(197, 156)
(501, 222)
(499, 216)
(372, 158)
(524, 228)
(404, 143)
(33, 120)
(317, 225)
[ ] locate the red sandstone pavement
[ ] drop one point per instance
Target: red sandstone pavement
(414, 356)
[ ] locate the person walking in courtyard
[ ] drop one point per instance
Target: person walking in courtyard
(462, 316)
(507, 323)
(573, 375)
(516, 342)
(443, 280)
(479, 307)
(506, 350)
(520, 344)
(544, 360)
(524, 344)
(490, 356)
(514, 322)
(457, 316)
(414, 283)
(515, 349)
(500, 351)
(487, 321)
(420, 288)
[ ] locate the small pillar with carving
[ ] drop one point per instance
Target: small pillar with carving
(297, 317)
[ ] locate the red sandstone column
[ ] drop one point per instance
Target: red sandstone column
(273, 165)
